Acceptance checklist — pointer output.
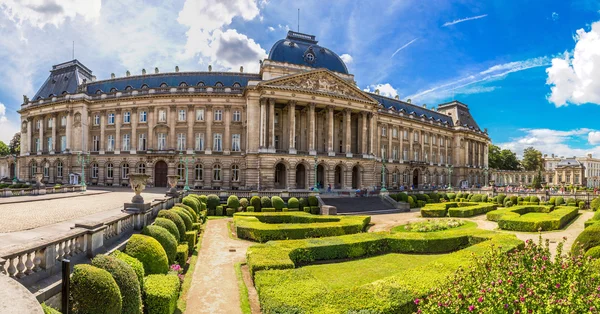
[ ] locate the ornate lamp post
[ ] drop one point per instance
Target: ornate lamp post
(316, 187)
(15, 168)
(383, 189)
(83, 159)
(450, 168)
(181, 160)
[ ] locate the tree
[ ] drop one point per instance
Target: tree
(502, 159)
(494, 158)
(537, 180)
(4, 150)
(15, 144)
(532, 159)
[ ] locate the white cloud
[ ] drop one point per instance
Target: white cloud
(404, 46)
(464, 20)
(346, 58)
(556, 142)
(384, 89)
(576, 79)
(270, 28)
(7, 127)
(594, 137)
(554, 16)
(55, 12)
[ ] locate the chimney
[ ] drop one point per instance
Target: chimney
(397, 97)
(589, 155)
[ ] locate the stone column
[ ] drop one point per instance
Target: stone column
(172, 142)
(431, 148)
(446, 149)
(54, 126)
(41, 135)
(151, 124)
(411, 140)
(271, 125)
(311, 129)
(227, 136)
(30, 135)
(372, 128)
(439, 152)
(347, 132)
(363, 139)
(208, 140)
(68, 131)
(134, 126)
(102, 131)
(118, 139)
(466, 142)
(190, 129)
(330, 132)
(389, 148)
(263, 115)
(292, 126)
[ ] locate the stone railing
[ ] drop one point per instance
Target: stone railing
(249, 194)
(40, 191)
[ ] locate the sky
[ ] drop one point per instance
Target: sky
(528, 70)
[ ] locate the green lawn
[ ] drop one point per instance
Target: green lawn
(344, 275)
(467, 225)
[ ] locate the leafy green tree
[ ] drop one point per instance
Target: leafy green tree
(15, 144)
(494, 158)
(537, 181)
(502, 159)
(4, 150)
(532, 159)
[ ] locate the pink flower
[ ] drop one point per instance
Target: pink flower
(557, 285)
(480, 299)
(471, 308)
(417, 301)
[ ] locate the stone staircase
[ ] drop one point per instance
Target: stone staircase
(359, 205)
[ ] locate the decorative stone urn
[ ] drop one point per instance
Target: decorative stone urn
(138, 181)
(172, 181)
(38, 179)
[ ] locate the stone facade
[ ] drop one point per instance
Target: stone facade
(558, 173)
(276, 129)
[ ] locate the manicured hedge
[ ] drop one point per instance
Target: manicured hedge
(456, 209)
(192, 202)
(230, 211)
(135, 264)
(293, 203)
(188, 210)
(148, 251)
(268, 210)
(169, 225)
(165, 238)
(532, 218)
(190, 238)
(182, 254)
(244, 202)
(267, 226)
(250, 209)
(593, 220)
(126, 279)
(94, 290)
(196, 226)
(187, 220)
(219, 211)
(587, 239)
(278, 203)
(315, 210)
(233, 202)
(161, 293)
(255, 202)
(172, 216)
(212, 201)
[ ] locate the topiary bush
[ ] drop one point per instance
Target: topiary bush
(148, 251)
(169, 225)
(126, 279)
(190, 238)
(595, 203)
(165, 238)
(451, 196)
(250, 209)
(135, 264)
(534, 199)
(212, 201)
(302, 203)
(265, 201)
(581, 204)
(293, 203)
(187, 220)
(593, 252)
(514, 200)
(552, 200)
(219, 211)
(587, 239)
(94, 290)
(182, 254)
(255, 202)
(172, 216)
(192, 202)
(559, 201)
(476, 198)
(229, 211)
(203, 198)
(233, 202)
(277, 203)
(161, 293)
(501, 198)
(188, 210)
(244, 203)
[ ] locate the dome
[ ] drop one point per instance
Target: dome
(302, 49)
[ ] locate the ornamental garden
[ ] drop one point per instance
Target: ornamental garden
(304, 262)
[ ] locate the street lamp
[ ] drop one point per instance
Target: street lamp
(383, 189)
(316, 188)
(181, 160)
(14, 156)
(82, 159)
(450, 168)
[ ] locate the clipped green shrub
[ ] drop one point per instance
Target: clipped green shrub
(203, 198)
(212, 201)
(514, 199)
(169, 225)
(165, 238)
(593, 252)
(581, 205)
(411, 202)
(230, 211)
(161, 293)
(250, 209)
(188, 210)
(552, 200)
(293, 203)
(244, 202)
(526, 198)
(508, 204)
(219, 211)
(172, 216)
(434, 197)
(211, 212)
(187, 220)
(571, 200)
(268, 209)
(587, 239)
(306, 209)
(190, 238)
(255, 202)
(233, 202)
(451, 196)
(313, 201)
(559, 201)
(94, 290)
(135, 264)
(192, 202)
(532, 218)
(501, 198)
(315, 210)
(278, 203)
(126, 279)
(484, 198)
(595, 203)
(265, 201)
(403, 197)
(182, 254)
(49, 310)
(196, 226)
(476, 198)
(148, 251)
(534, 199)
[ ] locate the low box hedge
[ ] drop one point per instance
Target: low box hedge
(190, 238)
(196, 226)
(219, 211)
(263, 227)
(250, 209)
(456, 209)
(532, 218)
(161, 293)
(182, 254)
(268, 209)
(230, 211)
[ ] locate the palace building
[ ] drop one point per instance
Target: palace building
(301, 116)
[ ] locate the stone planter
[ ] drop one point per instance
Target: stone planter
(138, 181)
(172, 181)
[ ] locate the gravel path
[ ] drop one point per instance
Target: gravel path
(214, 287)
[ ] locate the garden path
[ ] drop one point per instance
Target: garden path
(214, 287)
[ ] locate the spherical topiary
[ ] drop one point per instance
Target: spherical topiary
(293, 203)
(476, 198)
(508, 203)
(192, 202)
(187, 220)
(203, 198)
(593, 252)
(534, 199)
(589, 238)
(302, 203)
(595, 203)
(514, 199)
(265, 201)
(165, 238)
(526, 198)
(244, 202)
(313, 201)
(501, 198)
(277, 202)
(255, 202)
(126, 279)
(233, 202)
(172, 216)
(559, 201)
(135, 264)
(148, 251)
(169, 225)
(552, 200)
(94, 290)
(212, 201)
(189, 211)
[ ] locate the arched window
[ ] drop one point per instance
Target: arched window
(198, 172)
(237, 85)
(145, 86)
(109, 170)
(200, 84)
(95, 170)
(59, 169)
(125, 171)
(46, 170)
(113, 90)
(235, 173)
(98, 92)
(128, 88)
(218, 84)
(217, 172)
(163, 85)
(141, 168)
(183, 84)
(33, 168)
(181, 171)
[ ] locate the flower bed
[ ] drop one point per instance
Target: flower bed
(284, 288)
(533, 218)
(266, 226)
(433, 225)
(457, 209)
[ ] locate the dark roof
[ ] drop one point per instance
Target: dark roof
(173, 80)
(408, 108)
(296, 47)
(568, 162)
(64, 78)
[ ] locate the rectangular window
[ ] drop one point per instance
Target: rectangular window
(405, 154)
(394, 133)
(180, 141)
(199, 141)
(433, 140)
(395, 153)
(50, 144)
(63, 121)
(441, 159)
(162, 141)
(217, 142)
(276, 118)
(111, 118)
(218, 115)
(237, 116)
(127, 117)
(97, 119)
(38, 123)
(441, 141)
(416, 136)
(143, 116)
(142, 142)
(235, 143)
(426, 139)
(181, 114)
(37, 145)
(199, 114)
(383, 131)
(110, 143)
(405, 135)
(126, 141)
(63, 143)
(95, 143)
(50, 123)
(162, 116)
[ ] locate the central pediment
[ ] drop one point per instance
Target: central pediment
(320, 81)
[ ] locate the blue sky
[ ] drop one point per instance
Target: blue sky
(529, 70)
